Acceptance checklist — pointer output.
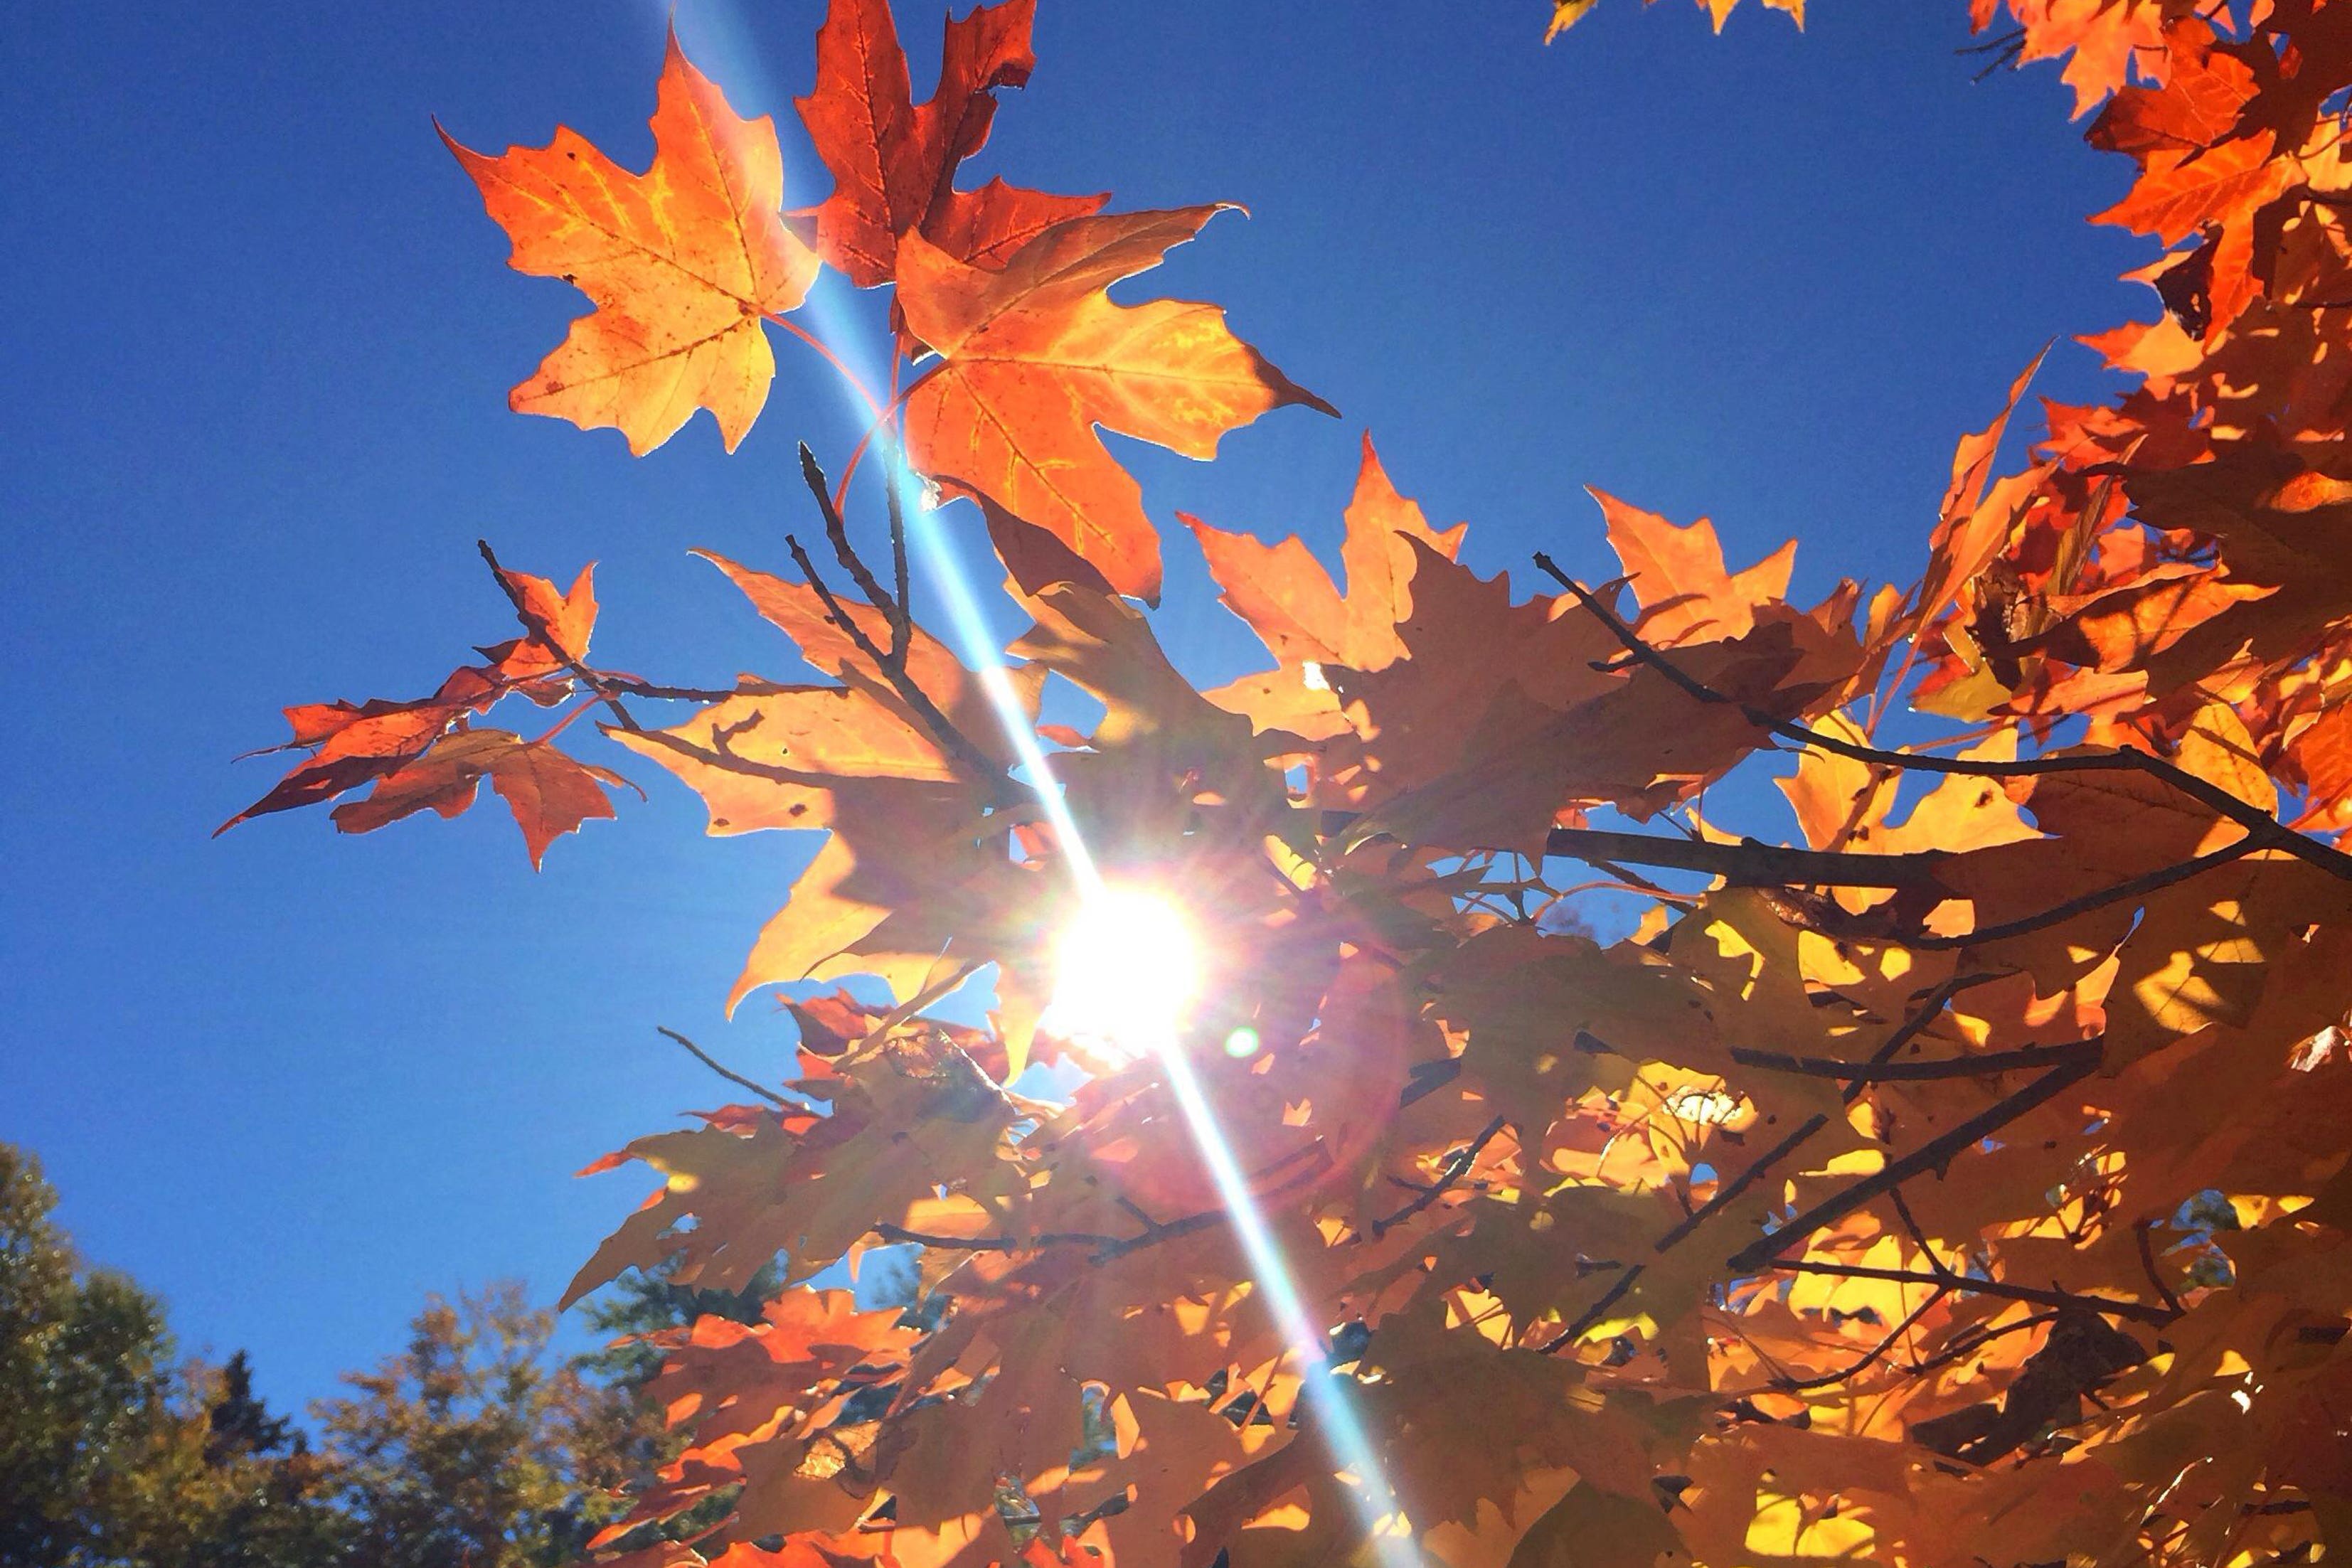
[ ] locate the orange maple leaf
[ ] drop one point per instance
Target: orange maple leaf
(1292, 603)
(1680, 581)
(682, 262)
(550, 793)
(894, 164)
(1037, 355)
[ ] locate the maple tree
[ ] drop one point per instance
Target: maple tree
(1968, 1183)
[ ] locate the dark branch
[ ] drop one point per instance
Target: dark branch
(1762, 1253)
(2260, 825)
(729, 1073)
(1969, 1344)
(2056, 914)
(1458, 1165)
(2147, 1263)
(1877, 1352)
(899, 1233)
(1992, 1062)
(537, 626)
(1591, 1315)
(1925, 1014)
(1729, 1191)
(2111, 1306)
(893, 609)
(1747, 862)
(942, 728)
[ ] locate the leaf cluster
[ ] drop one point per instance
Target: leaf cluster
(1866, 1200)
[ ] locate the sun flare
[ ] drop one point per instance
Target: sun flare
(1126, 971)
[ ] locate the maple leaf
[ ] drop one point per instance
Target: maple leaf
(1567, 14)
(1035, 355)
(550, 793)
(2099, 40)
(682, 261)
(353, 744)
(1292, 603)
(894, 162)
(1678, 577)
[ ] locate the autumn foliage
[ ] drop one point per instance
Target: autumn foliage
(1968, 1183)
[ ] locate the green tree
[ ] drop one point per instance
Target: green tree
(111, 1452)
(84, 1382)
(472, 1449)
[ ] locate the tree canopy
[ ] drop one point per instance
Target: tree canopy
(1964, 1184)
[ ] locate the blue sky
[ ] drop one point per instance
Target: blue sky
(259, 337)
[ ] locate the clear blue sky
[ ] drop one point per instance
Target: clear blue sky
(259, 339)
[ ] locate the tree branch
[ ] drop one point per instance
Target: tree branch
(2260, 825)
(729, 1073)
(1591, 1315)
(1862, 929)
(1747, 862)
(1910, 1030)
(1457, 1164)
(1785, 1385)
(2113, 1306)
(1991, 1062)
(538, 627)
(894, 610)
(1762, 1253)
(894, 671)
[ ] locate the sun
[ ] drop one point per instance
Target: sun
(1127, 969)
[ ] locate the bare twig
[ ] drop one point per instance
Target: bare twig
(536, 624)
(2111, 1305)
(1785, 1385)
(902, 628)
(2147, 1263)
(727, 1072)
(2059, 913)
(1762, 1253)
(1754, 1171)
(631, 686)
(942, 728)
(1747, 862)
(1457, 1164)
(1969, 1344)
(1927, 1013)
(893, 610)
(897, 1234)
(2267, 829)
(1591, 1315)
(1992, 1062)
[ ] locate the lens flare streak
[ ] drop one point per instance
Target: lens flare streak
(1332, 1413)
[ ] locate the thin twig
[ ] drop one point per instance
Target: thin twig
(1969, 1344)
(1785, 1385)
(727, 1072)
(631, 686)
(1991, 1062)
(1927, 1013)
(898, 1234)
(2147, 1262)
(536, 624)
(1457, 1164)
(943, 730)
(2059, 913)
(2258, 823)
(2113, 1306)
(852, 562)
(1762, 1253)
(1591, 1315)
(1747, 862)
(902, 626)
(1729, 1191)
